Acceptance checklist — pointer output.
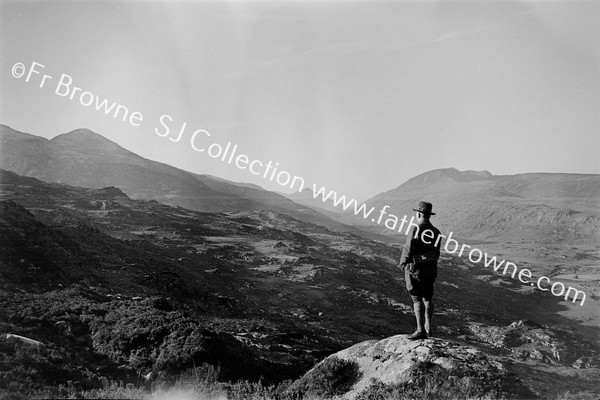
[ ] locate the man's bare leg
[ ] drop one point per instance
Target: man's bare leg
(428, 315)
(420, 333)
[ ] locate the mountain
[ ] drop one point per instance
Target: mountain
(87, 159)
(117, 288)
(533, 207)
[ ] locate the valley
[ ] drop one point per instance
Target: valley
(257, 292)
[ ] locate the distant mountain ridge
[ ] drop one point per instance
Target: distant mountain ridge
(531, 206)
(534, 185)
(85, 158)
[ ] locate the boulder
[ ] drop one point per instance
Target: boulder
(398, 365)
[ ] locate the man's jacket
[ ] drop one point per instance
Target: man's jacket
(420, 253)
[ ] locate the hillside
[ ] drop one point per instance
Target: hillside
(307, 197)
(280, 203)
(87, 159)
(117, 288)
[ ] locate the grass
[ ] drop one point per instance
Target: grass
(328, 380)
(332, 377)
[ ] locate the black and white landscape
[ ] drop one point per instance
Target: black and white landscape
(154, 243)
(118, 286)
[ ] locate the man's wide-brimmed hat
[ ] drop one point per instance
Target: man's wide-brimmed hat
(424, 208)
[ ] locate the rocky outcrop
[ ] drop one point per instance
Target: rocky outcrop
(397, 363)
(526, 340)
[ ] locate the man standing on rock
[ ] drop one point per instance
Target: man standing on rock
(419, 260)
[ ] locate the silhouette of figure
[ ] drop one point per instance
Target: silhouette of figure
(419, 260)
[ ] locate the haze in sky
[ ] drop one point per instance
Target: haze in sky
(356, 96)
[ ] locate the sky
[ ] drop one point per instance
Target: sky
(356, 96)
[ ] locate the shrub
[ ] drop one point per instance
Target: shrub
(332, 377)
(145, 337)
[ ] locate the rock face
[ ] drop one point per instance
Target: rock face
(391, 360)
(397, 361)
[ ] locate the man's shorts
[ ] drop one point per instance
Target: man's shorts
(419, 288)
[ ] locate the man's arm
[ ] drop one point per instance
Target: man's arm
(408, 250)
(439, 244)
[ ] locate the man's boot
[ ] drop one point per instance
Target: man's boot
(428, 317)
(420, 332)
